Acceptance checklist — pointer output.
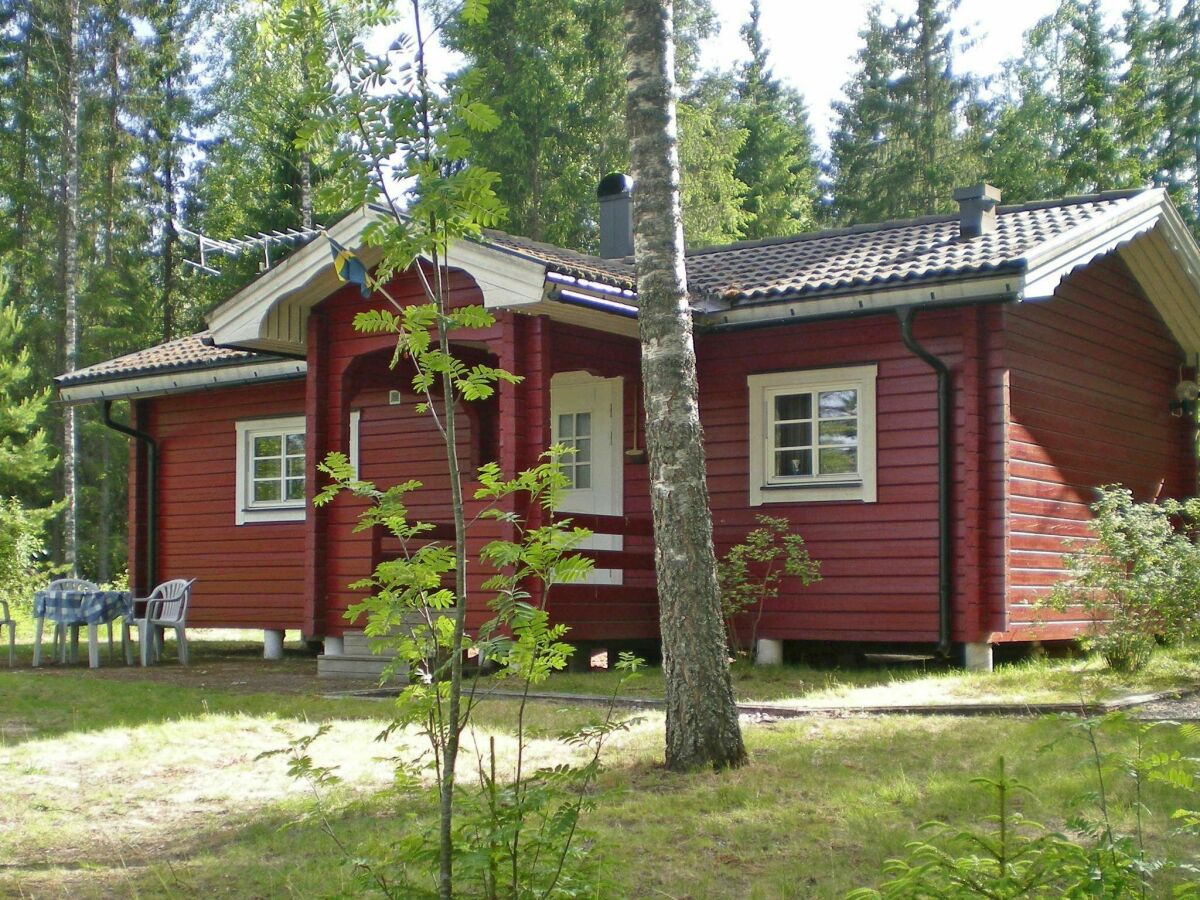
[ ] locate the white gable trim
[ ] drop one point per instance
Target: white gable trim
(1154, 242)
(271, 313)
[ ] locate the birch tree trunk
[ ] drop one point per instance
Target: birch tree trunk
(702, 724)
(69, 263)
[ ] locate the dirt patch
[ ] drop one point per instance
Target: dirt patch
(239, 669)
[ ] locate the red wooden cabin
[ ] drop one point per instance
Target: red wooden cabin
(1055, 333)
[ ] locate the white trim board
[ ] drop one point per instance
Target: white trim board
(156, 385)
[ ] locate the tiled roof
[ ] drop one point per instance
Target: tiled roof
(616, 272)
(888, 254)
(183, 353)
(891, 253)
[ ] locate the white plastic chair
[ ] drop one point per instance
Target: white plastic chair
(166, 607)
(60, 630)
(12, 632)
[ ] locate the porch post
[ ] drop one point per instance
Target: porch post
(316, 427)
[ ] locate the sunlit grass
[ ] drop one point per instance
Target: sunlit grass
(118, 786)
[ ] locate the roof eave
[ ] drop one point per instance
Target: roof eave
(180, 380)
(797, 307)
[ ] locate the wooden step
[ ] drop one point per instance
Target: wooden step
(369, 666)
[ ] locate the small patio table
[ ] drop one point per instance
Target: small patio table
(67, 608)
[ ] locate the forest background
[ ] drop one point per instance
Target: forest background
(123, 121)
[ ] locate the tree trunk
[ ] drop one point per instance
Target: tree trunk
(17, 281)
(702, 723)
(69, 264)
(169, 234)
(306, 204)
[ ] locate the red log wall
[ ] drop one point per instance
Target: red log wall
(247, 576)
(878, 560)
(1091, 374)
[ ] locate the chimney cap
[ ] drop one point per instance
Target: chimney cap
(614, 184)
(980, 191)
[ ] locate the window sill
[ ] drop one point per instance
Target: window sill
(812, 492)
(256, 514)
(812, 485)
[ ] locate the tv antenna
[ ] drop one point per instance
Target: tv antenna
(250, 243)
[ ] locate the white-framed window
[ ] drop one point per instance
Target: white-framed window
(812, 435)
(575, 431)
(270, 470)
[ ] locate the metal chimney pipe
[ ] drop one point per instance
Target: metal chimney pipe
(615, 193)
(977, 210)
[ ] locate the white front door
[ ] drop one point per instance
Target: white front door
(586, 415)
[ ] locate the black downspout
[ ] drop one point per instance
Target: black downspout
(151, 491)
(945, 534)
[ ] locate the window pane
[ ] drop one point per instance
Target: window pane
(583, 424)
(839, 432)
(790, 463)
(295, 489)
(266, 468)
(566, 428)
(793, 406)
(267, 446)
(266, 491)
(839, 403)
(799, 435)
(295, 467)
(838, 461)
(583, 450)
(583, 477)
(295, 445)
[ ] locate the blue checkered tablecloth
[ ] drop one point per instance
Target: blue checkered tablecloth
(82, 607)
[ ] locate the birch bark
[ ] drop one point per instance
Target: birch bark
(702, 723)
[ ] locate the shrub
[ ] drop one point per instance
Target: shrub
(1138, 581)
(751, 571)
(20, 551)
(1010, 856)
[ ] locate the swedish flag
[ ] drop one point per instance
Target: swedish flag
(349, 268)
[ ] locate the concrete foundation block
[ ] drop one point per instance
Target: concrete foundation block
(335, 646)
(768, 652)
(977, 657)
(272, 643)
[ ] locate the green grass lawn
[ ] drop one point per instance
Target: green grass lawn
(117, 786)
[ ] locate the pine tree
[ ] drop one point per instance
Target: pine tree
(776, 161)
(899, 147)
(167, 116)
(1138, 97)
(551, 70)
(710, 138)
(25, 455)
(1179, 157)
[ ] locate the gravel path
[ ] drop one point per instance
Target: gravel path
(1181, 709)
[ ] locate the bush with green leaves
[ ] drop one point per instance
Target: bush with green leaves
(1010, 856)
(750, 574)
(20, 551)
(1138, 580)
